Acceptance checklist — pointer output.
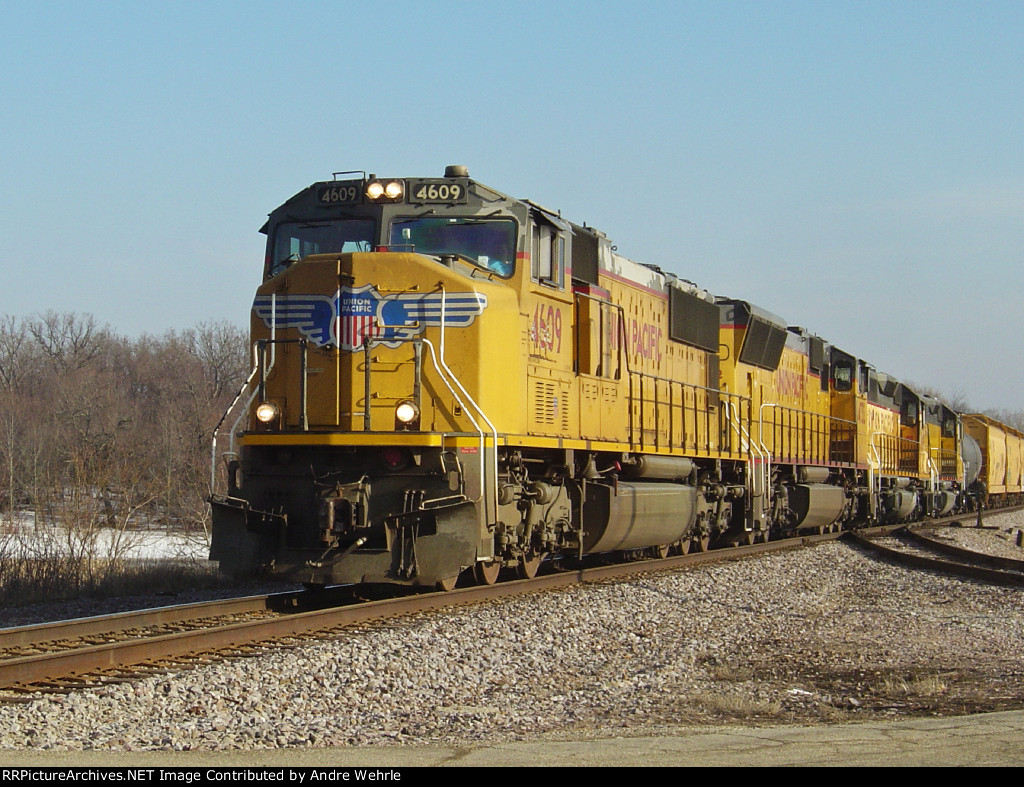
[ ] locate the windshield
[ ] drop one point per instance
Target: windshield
(295, 240)
(489, 243)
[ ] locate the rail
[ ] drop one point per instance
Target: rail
(666, 414)
(971, 565)
(85, 659)
(292, 618)
(797, 435)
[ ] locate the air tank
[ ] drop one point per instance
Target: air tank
(666, 468)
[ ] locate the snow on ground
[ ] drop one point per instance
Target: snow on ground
(23, 538)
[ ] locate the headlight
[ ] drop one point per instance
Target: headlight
(385, 190)
(267, 412)
(407, 412)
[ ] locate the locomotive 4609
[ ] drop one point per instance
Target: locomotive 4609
(448, 379)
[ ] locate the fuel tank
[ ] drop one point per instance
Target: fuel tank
(633, 515)
(944, 501)
(898, 504)
(816, 505)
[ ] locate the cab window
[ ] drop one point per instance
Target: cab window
(487, 243)
(547, 254)
(295, 240)
(842, 376)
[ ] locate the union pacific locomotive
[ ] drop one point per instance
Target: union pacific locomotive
(447, 379)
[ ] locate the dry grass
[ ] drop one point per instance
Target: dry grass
(915, 686)
(44, 570)
(31, 580)
(731, 673)
(740, 706)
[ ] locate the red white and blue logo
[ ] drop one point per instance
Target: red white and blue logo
(355, 315)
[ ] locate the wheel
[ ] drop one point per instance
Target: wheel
(662, 551)
(486, 573)
(527, 566)
(702, 543)
(746, 538)
(684, 546)
(447, 584)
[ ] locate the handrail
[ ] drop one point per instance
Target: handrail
(683, 386)
(933, 481)
(256, 365)
(476, 426)
(600, 334)
(483, 415)
(444, 372)
(760, 439)
(216, 431)
(744, 435)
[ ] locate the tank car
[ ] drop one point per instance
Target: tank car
(449, 379)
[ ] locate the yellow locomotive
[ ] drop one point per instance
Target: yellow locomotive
(447, 378)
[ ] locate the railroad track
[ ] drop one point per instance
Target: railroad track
(911, 547)
(73, 654)
(66, 655)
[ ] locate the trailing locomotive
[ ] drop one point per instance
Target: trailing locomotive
(447, 378)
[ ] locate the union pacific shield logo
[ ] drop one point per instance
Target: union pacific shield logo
(355, 315)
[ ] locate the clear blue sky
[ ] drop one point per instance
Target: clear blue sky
(855, 167)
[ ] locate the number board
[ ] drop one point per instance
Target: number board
(340, 193)
(445, 191)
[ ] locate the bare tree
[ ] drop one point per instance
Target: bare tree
(20, 356)
(99, 428)
(70, 341)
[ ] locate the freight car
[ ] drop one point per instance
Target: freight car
(446, 378)
(998, 452)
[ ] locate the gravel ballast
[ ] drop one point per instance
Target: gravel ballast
(825, 634)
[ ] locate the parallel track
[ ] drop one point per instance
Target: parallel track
(103, 648)
(910, 547)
